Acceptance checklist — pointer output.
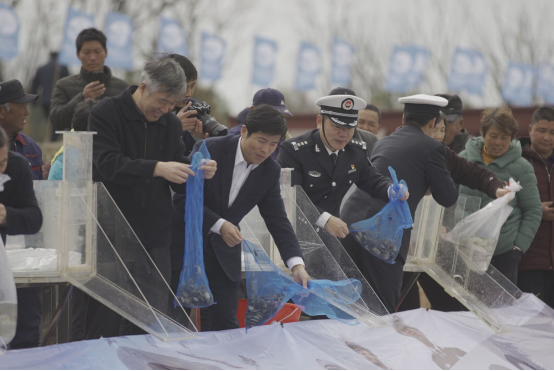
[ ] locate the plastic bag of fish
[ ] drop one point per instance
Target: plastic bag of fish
(193, 290)
(381, 235)
(477, 234)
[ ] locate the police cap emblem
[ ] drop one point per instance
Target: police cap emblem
(347, 104)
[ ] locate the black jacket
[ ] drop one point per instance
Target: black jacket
(418, 159)
(324, 184)
(126, 150)
(45, 78)
(68, 92)
(18, 196)
(261, 188)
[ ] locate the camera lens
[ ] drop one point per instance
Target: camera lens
(212, 127)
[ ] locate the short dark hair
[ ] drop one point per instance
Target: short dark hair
(266, 119)
(501, 118)
(542, 113)
(419, 119)
(186, 65)
(3, 138)
(90, 34)
(373, 108)
(79, 120)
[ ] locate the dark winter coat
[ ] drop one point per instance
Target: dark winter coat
(540, 255)
(68, 92)
(125, 152)
(18, 196)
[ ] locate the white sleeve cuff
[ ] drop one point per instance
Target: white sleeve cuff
(323, 219)
(295, 260)
(217, 226)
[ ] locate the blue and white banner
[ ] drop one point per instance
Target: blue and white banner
(309, 66)
(9, 32)
(171, 37)
(119, 31)
(406, 68)
(518, 84)
(212, 52)
(343, 54)
(545, 83)
(468, 71)
(76, 22)
(265, 57)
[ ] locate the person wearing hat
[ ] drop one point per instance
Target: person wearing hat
(327, 161)
(13, 117)
(421, 161)
(455, 136)
(270, 96)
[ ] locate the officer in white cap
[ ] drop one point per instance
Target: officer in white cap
(327, 161)
(421, 162)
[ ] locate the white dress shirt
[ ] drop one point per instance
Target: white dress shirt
(241, 172)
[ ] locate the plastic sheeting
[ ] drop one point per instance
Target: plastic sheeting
(38, 259)
(420, 339)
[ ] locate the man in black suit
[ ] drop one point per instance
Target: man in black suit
(421, 162)
(248, 176)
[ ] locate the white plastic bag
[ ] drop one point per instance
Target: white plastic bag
(8, 301)
(478, 234)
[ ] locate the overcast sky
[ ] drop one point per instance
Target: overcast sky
(493, 27)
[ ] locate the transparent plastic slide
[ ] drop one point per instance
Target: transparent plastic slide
(124, 276)
(324, 256)
(86, 240)
(488, 294)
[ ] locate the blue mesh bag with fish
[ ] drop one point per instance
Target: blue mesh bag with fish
(193, 290)
(268, 288)
(381, 234)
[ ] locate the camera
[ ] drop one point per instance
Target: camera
(209, 124)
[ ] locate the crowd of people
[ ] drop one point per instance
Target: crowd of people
(145, 135)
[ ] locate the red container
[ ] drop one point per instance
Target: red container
(289, 313)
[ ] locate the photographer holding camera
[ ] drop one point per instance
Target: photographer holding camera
(194, 115)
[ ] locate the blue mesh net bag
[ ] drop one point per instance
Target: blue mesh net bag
(193, 290)
(381, 234)
(269, 288)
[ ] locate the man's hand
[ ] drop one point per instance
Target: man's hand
(3, 215)
(501, 192)
(231, 234)
(392, 193)
(209, 168)
(94, 90)
(337, 227)
(547, 211)
(300, 275)
(174, 172)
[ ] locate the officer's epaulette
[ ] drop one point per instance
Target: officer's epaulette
(298, 145)
(358, 143)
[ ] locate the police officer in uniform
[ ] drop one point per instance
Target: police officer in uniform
(421, 162)
(327, 161)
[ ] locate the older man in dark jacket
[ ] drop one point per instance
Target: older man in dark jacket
(94, 81)
(138, 155)
(536, 272)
